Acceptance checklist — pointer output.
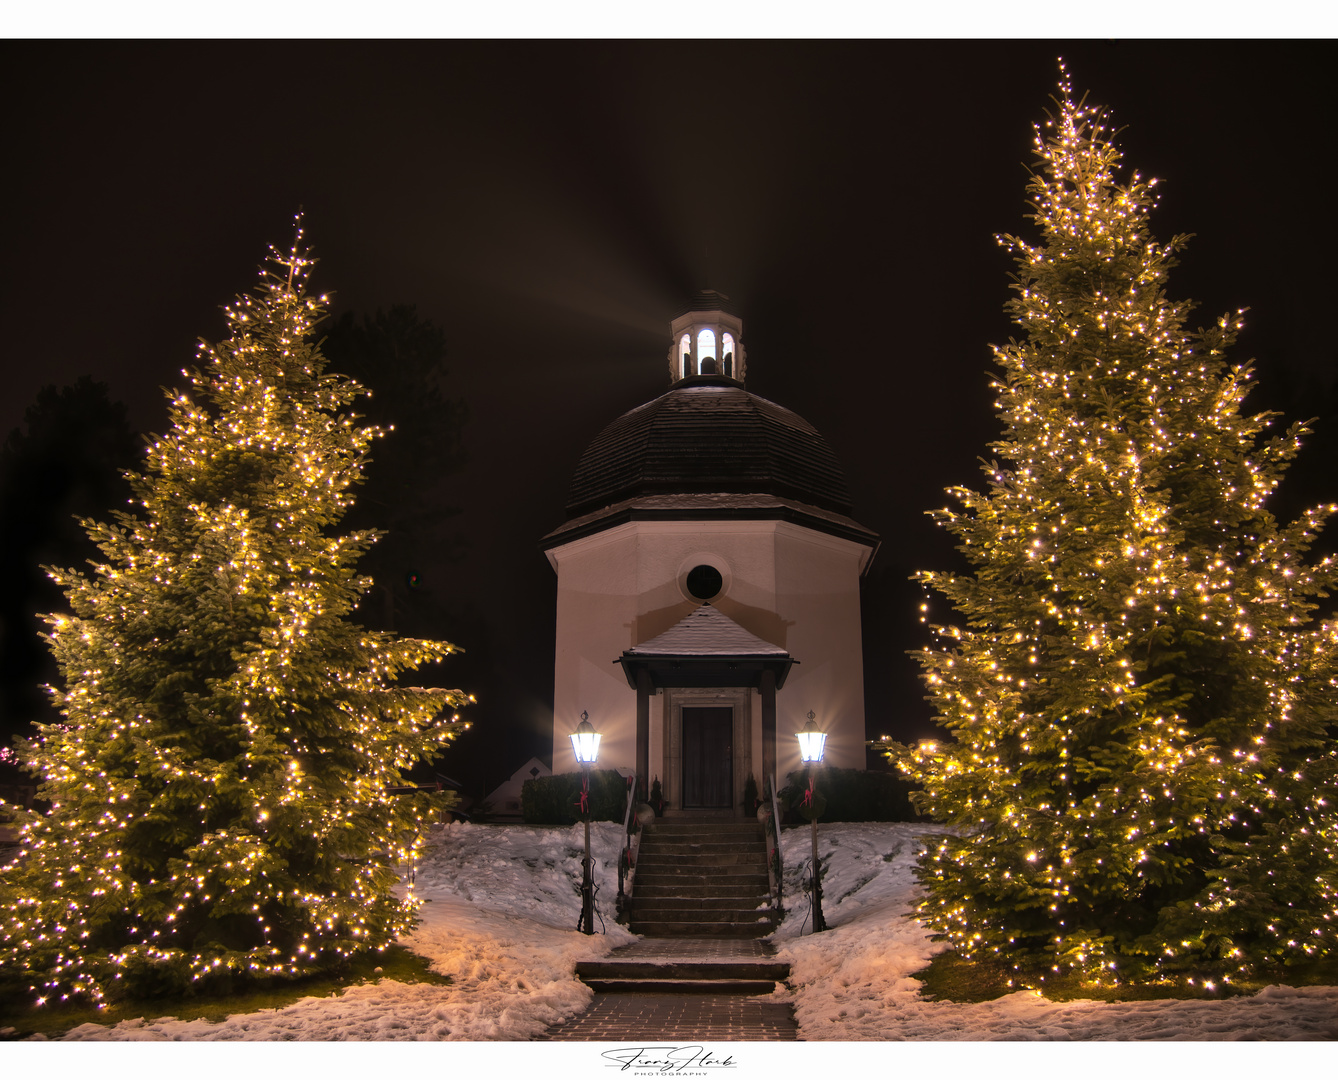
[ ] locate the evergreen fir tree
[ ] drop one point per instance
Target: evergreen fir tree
(220, 790)
(1140, 700)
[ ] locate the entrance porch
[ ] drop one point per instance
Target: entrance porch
(707, 667)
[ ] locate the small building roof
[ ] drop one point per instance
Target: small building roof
(504, 799)
(708, 631)
(707, 648)
(707, 300)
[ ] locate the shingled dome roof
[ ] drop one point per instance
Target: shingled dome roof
(708, 435)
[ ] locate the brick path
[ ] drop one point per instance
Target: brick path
(663, 1017)
(660, 1015)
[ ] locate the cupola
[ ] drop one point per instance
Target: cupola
(707, 340)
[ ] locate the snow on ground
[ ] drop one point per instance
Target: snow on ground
(502, 906)
(854, 981)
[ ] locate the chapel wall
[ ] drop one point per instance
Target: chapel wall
(596, 617)
(817, 597)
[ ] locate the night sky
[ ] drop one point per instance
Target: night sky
(551, 205)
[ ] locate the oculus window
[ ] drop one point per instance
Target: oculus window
(704, 582)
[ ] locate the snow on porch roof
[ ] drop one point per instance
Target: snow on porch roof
(706, 632)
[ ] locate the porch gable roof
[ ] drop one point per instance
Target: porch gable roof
(707, 648)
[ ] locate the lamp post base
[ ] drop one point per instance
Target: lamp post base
(587, 924)
(819, 923)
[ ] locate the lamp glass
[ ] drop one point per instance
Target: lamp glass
(585, 743)
(811, 742)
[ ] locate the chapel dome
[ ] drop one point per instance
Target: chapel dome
(708, 435)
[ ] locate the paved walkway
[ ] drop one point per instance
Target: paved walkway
(660, 1016)
(673, 1017)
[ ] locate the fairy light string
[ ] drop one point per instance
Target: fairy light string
(220, 786)
(1139, 697)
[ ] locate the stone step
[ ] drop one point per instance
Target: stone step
(688, 976)
(694, 902)
(696, 836)
(704, 831)
(653, 912)
(697, 882)
(683, 969)
(737, 876)
(681, 986)
(675, 888)
(741, 877)
(704, 847)
(752, 860)
(702, 929)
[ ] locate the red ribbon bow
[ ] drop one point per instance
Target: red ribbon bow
(808, 795)
(584, 801)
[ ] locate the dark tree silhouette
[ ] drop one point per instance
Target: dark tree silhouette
(401, 358)
(67, 462)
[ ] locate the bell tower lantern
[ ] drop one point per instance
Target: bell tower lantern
(707, 340)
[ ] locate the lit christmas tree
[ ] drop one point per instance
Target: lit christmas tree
(221, 787)
(1141, 699)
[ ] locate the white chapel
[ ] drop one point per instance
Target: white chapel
(708, 584)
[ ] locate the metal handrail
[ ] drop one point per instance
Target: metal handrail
(774, 863)
(627, 857)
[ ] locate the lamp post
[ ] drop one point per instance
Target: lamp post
(811, 744)
(585, 745)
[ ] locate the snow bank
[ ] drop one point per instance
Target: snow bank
(854, 981)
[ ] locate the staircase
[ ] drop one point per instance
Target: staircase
(700, 899)
(702, 879)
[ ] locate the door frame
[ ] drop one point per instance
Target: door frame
(738, 698)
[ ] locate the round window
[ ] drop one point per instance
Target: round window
(704, 582)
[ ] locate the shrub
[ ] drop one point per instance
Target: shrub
(554, 800)
(750, 799)
(851, 795)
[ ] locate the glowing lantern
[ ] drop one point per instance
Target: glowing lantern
(585, 741)
(811, 741)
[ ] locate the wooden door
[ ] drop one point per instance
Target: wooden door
(708, 758)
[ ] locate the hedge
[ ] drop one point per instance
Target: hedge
(553, 800)
(851, 795)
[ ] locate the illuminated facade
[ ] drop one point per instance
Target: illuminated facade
(708, 583)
